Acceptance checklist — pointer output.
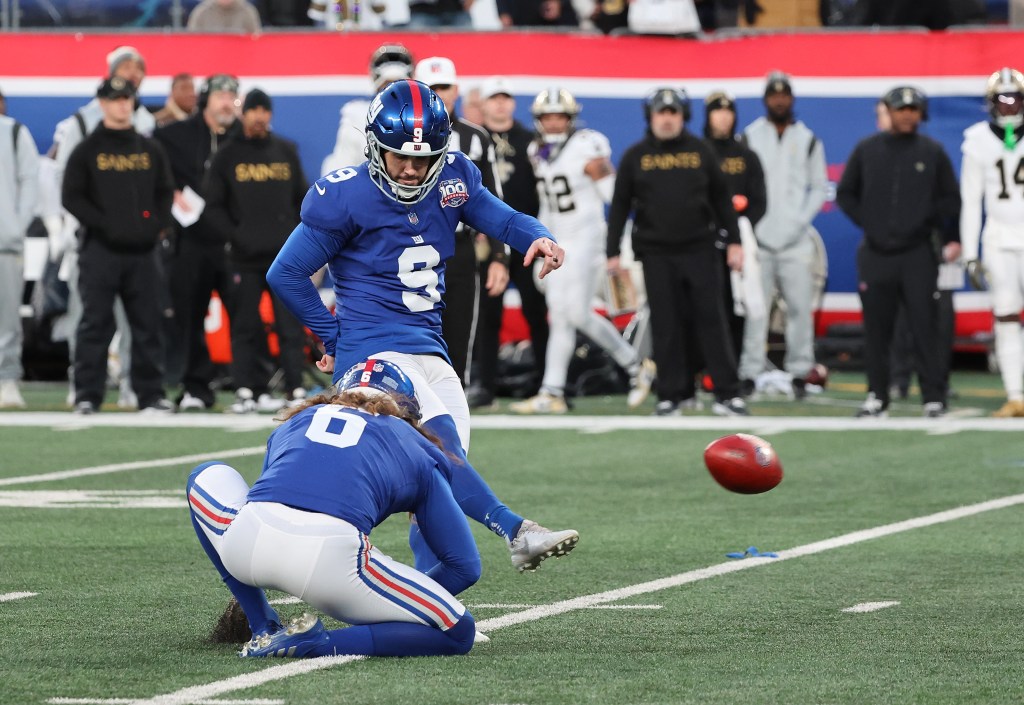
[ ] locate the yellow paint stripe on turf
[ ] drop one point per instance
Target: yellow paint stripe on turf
(135, 465)
(190, 696)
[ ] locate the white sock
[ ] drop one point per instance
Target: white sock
(1010, 354)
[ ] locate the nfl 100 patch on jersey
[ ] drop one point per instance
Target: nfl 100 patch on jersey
(453, 193)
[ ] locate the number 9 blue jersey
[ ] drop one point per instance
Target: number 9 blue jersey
(387, 258)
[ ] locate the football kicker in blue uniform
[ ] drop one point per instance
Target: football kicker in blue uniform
(385, 229)
(338, 466)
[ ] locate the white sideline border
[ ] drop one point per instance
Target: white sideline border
(761, 426)
(569, 422)
(193, 694)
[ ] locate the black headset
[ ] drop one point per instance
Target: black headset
(216, 82)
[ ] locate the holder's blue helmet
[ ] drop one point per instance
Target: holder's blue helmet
(406, 118)
(382, 376)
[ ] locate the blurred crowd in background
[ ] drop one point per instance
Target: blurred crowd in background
(673, 17)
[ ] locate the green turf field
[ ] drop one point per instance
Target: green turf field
(125, 598)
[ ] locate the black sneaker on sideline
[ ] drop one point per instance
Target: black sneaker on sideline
(666, 407)
(873, 407)
(799, 388)
(731, 407)
(479, 398)
(747, 388)
(160, 407)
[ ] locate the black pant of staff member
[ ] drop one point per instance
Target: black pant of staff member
(886, 279)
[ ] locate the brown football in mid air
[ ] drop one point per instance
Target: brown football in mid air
(743, 463)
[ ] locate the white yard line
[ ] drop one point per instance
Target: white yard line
(194, 694)
(128, 701)
(198, 693)
(290, 600)
(134, 465)
(870, 606)
(499, 606)
(11, 596)
(103, 499)
(589, 424)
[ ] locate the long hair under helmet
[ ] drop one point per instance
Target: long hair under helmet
(406, 118)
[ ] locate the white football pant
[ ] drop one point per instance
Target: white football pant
(438, 389)
(324, 561)
(569, 292)
(1004, 268)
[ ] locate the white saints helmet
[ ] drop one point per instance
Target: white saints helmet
(1004, 96)
(555, 101)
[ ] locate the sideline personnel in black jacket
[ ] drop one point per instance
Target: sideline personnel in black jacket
(254, 190)
(899, 187)
(198, 267)
(672, 182)
(118, 185)
(745, 177)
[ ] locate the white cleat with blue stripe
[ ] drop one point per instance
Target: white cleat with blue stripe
(296, 640)
(534, 544)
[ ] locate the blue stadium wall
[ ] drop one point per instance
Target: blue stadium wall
(837, 79)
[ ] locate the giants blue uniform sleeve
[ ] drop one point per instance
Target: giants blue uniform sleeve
(304, 253)
(487, 213)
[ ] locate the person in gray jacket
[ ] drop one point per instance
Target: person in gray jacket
(19, 168)
(796, 180)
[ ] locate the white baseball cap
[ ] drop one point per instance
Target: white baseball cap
(495, 85)
(436, 71)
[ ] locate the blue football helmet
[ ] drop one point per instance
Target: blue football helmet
(407, 118)
(385, 377)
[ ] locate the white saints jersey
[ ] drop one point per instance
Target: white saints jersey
(569, 199)
(350, 144)
(993, 175)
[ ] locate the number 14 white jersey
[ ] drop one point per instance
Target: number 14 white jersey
(993, 175)
(569, 199)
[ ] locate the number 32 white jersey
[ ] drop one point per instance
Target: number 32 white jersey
(569, 199)
(993, 175)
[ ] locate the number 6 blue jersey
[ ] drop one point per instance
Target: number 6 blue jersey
(387, 258)
(348, 463)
